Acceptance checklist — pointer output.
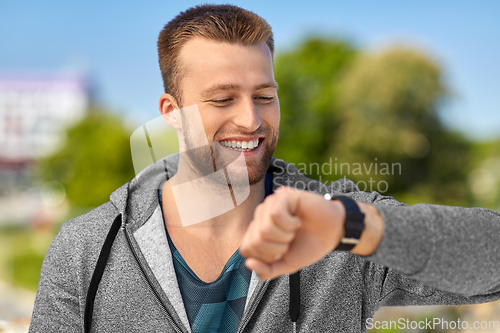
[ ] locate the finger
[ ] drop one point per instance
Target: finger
(268, 252)
(268, 271)
(292, 193)
(270, 232)
(281, 211)
(258, 248)
(280, 216)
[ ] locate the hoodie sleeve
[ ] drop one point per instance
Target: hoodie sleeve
(433, 254)
(57, 303)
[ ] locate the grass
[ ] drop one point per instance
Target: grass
(21, 255)
(23, 249)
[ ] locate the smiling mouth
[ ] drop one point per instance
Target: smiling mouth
(241, 145)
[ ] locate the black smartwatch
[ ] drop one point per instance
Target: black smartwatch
(353, 225)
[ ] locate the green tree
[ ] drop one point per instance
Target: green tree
(364, 111)
(308, 95)
(390, 101)
(94, 160)
(484, 179)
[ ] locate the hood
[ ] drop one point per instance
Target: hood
(136, 198)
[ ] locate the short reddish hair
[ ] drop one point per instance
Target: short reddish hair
(224, 23)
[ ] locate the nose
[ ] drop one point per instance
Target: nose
(247, 116)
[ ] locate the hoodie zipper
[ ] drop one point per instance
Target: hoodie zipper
(171, 320)
(252, 308)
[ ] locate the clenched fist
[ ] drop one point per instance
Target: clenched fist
(292, 229)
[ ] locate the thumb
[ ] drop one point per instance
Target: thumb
(292, 198)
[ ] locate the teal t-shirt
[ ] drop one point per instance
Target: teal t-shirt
(216, 306)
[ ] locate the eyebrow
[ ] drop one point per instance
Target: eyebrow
(217, 87)
(270, 84)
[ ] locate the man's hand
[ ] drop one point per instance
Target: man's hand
(292, 229)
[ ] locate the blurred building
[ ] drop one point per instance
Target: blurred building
(34, 111)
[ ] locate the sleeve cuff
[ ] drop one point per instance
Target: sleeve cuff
(408, 240)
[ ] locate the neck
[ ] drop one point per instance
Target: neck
(186, 204)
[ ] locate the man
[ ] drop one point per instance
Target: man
(166, 275)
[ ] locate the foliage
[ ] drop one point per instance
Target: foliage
(94, 161)
(390, 102)
(21, 255)
(26, 269)
(308, 97)
(484, 179)
(371, 111)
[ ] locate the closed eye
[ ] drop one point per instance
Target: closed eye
(221, 101)
(265, 99)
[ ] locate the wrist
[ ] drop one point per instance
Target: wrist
(373, 232)
(337, 222)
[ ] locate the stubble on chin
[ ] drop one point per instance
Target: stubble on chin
(208, 159)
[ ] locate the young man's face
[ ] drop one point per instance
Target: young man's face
(234, 89)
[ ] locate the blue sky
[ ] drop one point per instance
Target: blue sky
(115, 42)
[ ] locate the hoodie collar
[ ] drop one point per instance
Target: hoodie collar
(137, 199)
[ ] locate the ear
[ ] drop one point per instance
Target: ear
(168, 106)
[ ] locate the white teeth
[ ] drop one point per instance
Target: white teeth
(240, 145)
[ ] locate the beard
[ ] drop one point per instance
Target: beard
(204, 161)
(258, 171)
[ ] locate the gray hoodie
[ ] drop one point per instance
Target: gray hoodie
(429, 254)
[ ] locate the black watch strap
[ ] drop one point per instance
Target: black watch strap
(353, 225)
